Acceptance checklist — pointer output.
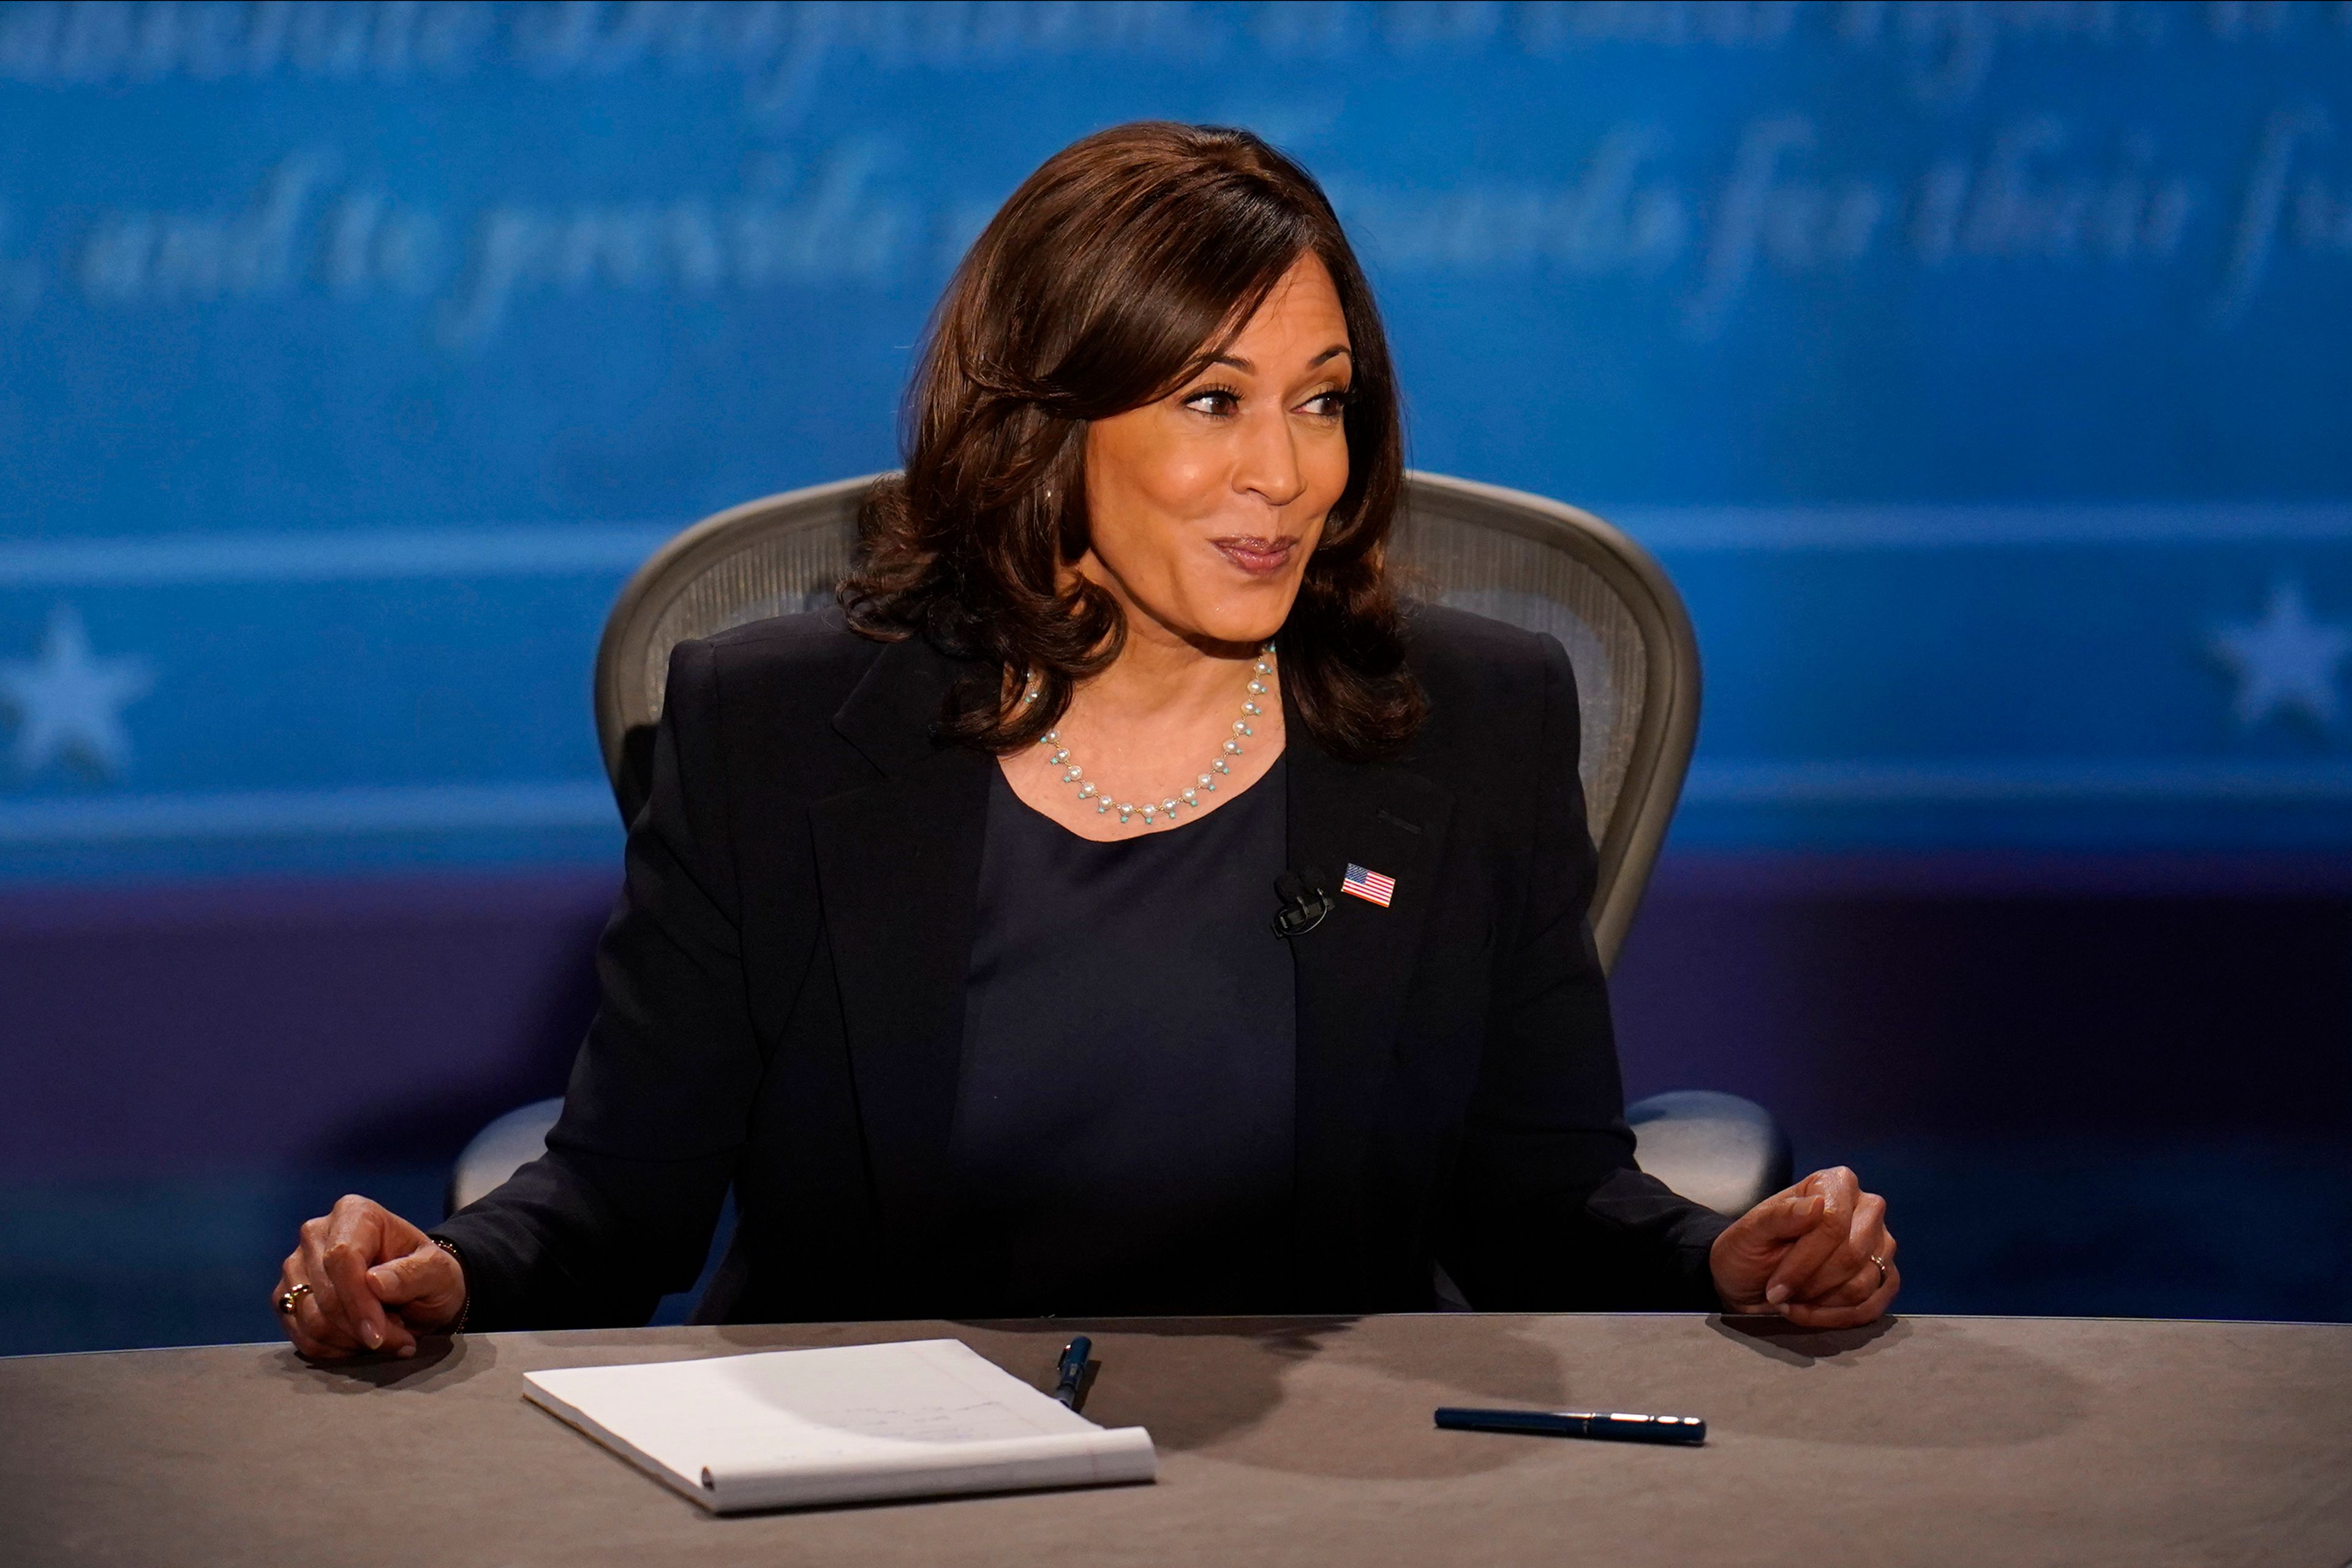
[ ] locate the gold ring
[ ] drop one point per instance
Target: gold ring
(293, 1294)
(1882, 1271)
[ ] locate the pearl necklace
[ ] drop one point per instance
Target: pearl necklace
(1261, 676)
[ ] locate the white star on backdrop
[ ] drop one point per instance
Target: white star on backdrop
(69, 703)
(2285, 660)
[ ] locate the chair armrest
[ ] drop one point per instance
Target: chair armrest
(1713, 1149)
(501, 1149)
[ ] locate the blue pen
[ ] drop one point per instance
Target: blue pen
(1073, 1370)
(1620, 1425)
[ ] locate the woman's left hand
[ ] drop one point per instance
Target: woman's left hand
(1818, 1253)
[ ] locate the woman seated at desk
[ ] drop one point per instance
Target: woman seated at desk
(948, 937)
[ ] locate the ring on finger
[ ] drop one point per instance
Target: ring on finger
(1882, 1270)
(292, 1294)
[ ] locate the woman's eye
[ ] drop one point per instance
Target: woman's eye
(1329, 405)
(1212, 400)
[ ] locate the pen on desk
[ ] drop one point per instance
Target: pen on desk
(1073, 1370)
(1618, 1425)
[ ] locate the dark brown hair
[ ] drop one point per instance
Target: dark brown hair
(1106, 280)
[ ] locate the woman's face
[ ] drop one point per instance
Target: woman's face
(1206, 504)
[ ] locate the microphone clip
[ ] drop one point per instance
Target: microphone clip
(1305, 903)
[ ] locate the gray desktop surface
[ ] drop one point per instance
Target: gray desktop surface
(1923, 1440)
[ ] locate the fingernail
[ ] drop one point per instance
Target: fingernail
(383, 1277)
(373, 1335)
(407, 1351)
(1776, 1294)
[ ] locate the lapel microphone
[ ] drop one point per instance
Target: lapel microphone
(1304, 901)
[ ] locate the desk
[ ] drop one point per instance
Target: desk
(1922, 1440)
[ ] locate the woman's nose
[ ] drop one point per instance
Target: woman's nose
(1269, 466)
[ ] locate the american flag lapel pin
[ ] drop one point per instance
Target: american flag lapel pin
(1368, 885)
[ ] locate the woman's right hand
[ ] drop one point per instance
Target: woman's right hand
(376, 1282)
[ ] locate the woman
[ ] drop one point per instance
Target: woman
(949, 935)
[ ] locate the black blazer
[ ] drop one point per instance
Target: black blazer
(783, 1007)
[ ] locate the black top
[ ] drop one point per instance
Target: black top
(784, 1008)
(1123, 1122)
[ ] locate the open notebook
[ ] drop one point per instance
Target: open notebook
(788, 1428)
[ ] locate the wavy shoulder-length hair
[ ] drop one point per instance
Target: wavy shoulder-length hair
(1110, 277)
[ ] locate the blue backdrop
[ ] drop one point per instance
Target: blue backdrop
(1980, 372)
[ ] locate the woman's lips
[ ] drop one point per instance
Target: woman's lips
(1256, 555)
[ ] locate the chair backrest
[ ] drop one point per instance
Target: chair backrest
(1516, 557)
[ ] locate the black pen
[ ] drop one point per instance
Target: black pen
(1073, 1370)
(1621, 1425)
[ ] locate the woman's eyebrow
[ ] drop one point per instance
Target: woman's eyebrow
(1247, 368)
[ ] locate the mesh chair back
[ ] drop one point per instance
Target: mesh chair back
(1519, 558)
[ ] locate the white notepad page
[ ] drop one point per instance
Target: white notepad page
(788, 1428)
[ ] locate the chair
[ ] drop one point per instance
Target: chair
(1516, 557)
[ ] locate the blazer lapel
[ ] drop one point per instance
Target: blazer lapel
(1353, 969)
(898, 871)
